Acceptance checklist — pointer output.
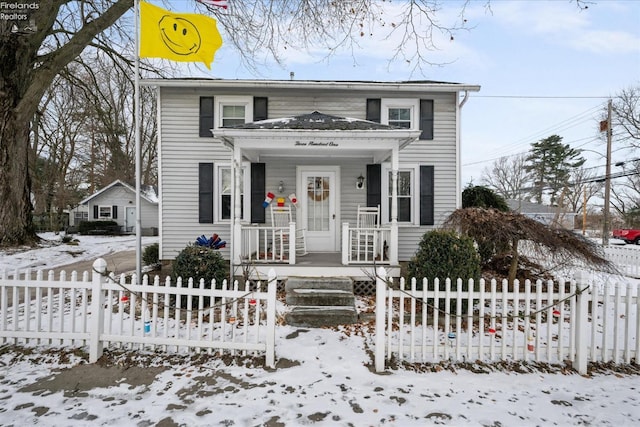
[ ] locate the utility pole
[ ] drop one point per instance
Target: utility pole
(607, 180)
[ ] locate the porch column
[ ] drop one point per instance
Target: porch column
(393, 244)
(236, 237)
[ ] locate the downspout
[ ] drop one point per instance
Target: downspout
(458, 151)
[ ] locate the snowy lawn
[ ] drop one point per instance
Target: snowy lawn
(324, 377)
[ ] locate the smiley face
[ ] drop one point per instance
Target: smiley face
(179, 35)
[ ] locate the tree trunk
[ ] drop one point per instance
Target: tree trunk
(16, 224)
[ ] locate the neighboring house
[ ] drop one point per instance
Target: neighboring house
(542, 213)
(78, 214)
(117, 202)
(225, 146)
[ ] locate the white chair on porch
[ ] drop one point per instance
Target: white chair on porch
(281, 216)
(365, 234)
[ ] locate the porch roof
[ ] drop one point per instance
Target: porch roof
(316, 134)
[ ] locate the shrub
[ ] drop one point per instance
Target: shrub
(200, 262)
(97, 227)
(442, 255)
(151, 254)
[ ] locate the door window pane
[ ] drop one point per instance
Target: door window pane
(318, 203)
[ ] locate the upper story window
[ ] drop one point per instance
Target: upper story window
(400, 117)
(233, 110)
(401, 112)
(233, 115)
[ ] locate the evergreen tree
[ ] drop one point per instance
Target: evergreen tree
(550, 162)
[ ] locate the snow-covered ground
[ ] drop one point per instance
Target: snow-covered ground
(324, 377)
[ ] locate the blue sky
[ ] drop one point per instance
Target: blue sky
(545, 67)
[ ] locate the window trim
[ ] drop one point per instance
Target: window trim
(100, 217)
(222, 101)
(415, 194)
(217, 192)
(411, 103)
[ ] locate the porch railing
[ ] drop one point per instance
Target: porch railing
(365, 245)
(268, 244)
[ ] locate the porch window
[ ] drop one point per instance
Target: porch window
(225, 187)
(407, 195)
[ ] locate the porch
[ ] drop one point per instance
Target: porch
(264, 248)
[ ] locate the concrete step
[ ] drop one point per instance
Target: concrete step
(333, 283)
(319, 316)
(319, 297)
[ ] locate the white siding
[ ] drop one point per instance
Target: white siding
(182, 149)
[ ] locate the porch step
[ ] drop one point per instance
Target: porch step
(319, 316)
(320, 301)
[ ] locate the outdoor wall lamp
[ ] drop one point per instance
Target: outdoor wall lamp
(281, 187)
(360, 182)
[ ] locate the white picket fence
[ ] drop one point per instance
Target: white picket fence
(533, 321)
(626, 258)
(102, 311)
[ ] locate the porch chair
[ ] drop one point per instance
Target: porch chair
(365, 236)
(281, 216)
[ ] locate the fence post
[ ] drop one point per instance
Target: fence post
(582, 319)
(381, 287)
(272, 285)
(97, 310)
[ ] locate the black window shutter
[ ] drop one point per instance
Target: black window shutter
(374, 185)
(260, 108)
(114, 212)
(426, 195)
(205, 193)
(258, 178)
(95, 211)
(206, 116)
(426, 118)
(374, 106)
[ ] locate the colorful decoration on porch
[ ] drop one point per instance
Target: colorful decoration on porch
(280, 202)
(268, 200)
(213, 242)
(293, 199)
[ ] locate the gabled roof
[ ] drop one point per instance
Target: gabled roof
(147, 192)
(316, 121)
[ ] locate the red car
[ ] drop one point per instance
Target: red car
(629, 235)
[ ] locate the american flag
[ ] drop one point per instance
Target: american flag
(219, 3)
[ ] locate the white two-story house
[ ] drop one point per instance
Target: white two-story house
(234, 154)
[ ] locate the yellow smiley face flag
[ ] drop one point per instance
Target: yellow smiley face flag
(184, 37)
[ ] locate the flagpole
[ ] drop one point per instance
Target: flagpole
(136, 114)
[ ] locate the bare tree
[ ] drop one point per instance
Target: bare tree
(31, 58)
(583, 188)
(507, 175)
(626, 117)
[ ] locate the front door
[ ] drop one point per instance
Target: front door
(130, 219)
(318, 189)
